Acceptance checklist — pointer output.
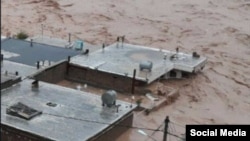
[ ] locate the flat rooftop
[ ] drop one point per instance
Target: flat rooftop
(123, 60)
(22, 52)
(69, 120)
(22, 69)
(61, 43)
(49, 41)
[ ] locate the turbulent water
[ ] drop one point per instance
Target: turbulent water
(217, 29)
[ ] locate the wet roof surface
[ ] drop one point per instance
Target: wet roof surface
(28, 55)
(12, 67)
(5, 78)
(69, 120)
(123, 60)
(62, 43)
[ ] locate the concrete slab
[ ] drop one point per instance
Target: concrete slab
(12, 67)
(123, 60)
(61, 43)
(77, 115)
(26, 54)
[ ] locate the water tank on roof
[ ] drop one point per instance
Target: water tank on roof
(78, 45)
(146, 65)
(109, 98)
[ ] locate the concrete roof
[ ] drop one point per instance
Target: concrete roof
(62, 43)
(25, 54)
(60, 122)
(123, 60)
(5, 78)
(22, 69)
(49, 41)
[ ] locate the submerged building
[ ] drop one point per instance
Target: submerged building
(118, 65)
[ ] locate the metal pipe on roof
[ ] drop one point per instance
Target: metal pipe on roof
(103, 46)
(69, 58)
(31, 42)
(177, 49)
(69, 38)
(37, 65)
(117, 41)
(123, 39)
(133, 82)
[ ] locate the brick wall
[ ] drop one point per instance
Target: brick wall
(113, 132)
(53, 74)
(100, 79)
(12, 134)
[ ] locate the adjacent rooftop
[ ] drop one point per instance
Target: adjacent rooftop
(29, 53)
(66, 114)
(12, 67)
(63, 43)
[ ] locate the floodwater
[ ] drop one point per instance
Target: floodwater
(217, 29)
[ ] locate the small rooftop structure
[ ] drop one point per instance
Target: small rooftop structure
(65, 114)
(23, 111)
(29, 52)
(122, 60)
